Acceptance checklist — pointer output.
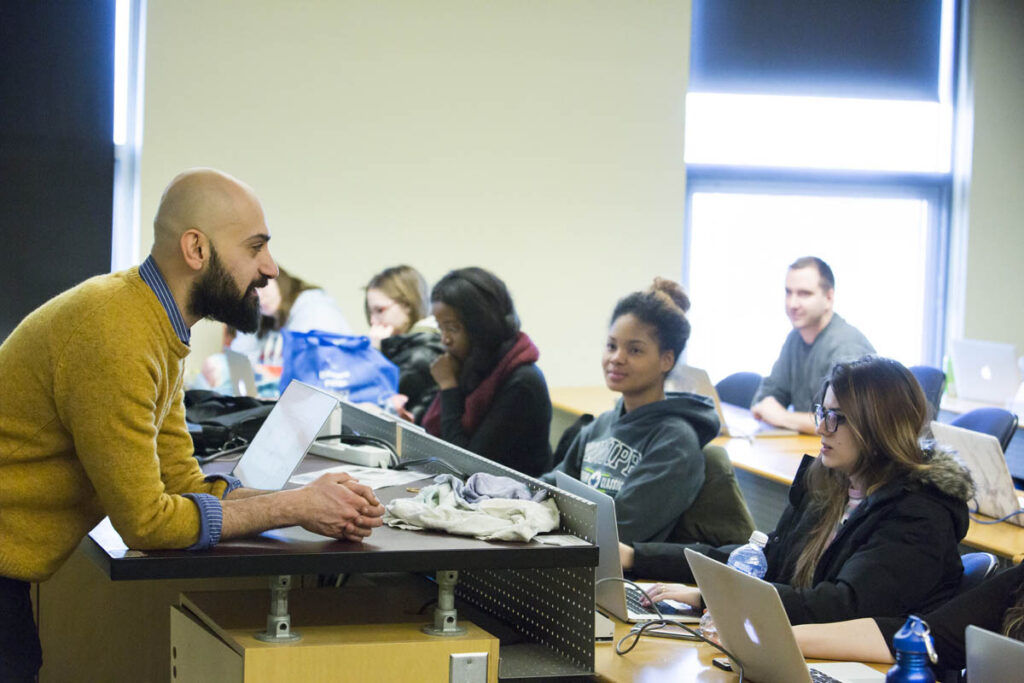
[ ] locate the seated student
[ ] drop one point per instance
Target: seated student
(996, 605)
(820, 338)
(493, 399)
(646, 453)
(287, 303)
(872, 525)
(396, 309)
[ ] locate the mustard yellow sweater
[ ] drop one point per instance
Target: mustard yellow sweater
(92, 423)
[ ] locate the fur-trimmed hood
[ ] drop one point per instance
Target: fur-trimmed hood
(945, 472)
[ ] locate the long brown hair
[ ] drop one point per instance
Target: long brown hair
(1013, 620)
(290, 287)
(886, 411)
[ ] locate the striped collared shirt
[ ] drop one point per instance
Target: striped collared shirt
(152, 277)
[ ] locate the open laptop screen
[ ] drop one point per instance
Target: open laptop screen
(285, 436)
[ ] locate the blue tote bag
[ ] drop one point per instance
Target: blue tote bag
(346, 365)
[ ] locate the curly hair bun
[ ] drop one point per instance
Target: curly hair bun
(673, 291)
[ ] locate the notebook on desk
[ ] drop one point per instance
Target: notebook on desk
(285, 436)
(621, 599)
(985, 371)
(743, 423)
(984, 459)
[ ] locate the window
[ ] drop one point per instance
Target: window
(128, 69)
(863, 182)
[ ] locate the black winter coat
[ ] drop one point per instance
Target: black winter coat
(896, 554)
(413, 354)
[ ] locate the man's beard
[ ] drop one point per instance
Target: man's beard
(216, 296)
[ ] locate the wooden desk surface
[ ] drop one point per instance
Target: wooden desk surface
(654, 660)
(777, 459)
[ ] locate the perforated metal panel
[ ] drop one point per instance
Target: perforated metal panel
(551, 607)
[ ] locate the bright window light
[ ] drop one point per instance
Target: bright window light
(818, 132)
(121, 41)
(876, 246)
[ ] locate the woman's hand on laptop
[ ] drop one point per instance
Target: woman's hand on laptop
(675, 591)
(338, 506)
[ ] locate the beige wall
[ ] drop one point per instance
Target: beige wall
(994, 303)
(540, 139)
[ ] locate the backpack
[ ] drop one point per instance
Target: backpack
(217, 421)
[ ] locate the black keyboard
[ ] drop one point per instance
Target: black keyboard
(819, 677)
(634, 604)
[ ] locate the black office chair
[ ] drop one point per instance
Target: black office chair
(1000, 423)
(977, 568)
(739, 388)
(933, 382)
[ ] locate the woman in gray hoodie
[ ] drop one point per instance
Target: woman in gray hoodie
(646, 453)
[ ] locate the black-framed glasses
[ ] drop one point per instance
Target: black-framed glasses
(831, 418)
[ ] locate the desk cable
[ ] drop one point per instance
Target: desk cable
(973, 512)
(361, 440)
(646, 629)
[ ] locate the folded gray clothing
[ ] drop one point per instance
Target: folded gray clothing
(483, 486)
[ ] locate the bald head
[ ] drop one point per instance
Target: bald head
(206, 200)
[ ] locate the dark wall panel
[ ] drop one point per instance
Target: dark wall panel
(838, 48)
(56, 150)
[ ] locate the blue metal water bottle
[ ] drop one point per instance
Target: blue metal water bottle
(914, 650)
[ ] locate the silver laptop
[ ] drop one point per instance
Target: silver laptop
(696, 381)
(286, 435)
(619, 598)
(983, 456)
(993, 657)
(752, 624)
(743, 423)
(241, 376)
(985, 371)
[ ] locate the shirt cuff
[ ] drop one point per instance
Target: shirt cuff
(232, 482)
(211, 516)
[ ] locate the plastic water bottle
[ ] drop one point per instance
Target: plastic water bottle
(749, 559)
(914, 649)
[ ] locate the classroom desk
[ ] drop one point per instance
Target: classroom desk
(654, 660)
(765, 468)
(108, 596)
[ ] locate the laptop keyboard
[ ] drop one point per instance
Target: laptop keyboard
(634, 604)
(820, 677)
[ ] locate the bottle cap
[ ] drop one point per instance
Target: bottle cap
(759, 538)
(916, 637)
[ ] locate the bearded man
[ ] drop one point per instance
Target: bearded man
(92, 417)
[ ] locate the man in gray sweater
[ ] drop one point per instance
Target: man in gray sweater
(820, 337)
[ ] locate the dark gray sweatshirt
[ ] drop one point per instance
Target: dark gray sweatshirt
(649, 460)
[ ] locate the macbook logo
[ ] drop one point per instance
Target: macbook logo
(986, 373)
(751, 632)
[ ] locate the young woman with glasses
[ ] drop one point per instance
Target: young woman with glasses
(873, 523)
(401, 327)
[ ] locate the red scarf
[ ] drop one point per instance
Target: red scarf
(478, 402)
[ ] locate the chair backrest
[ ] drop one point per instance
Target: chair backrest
(1000, 423)
(719, 514)
(977, 568)
(739, 388)
(933, 382)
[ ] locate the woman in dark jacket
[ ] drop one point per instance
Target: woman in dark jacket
(493, 399)
(397, 311)
(873, 523)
